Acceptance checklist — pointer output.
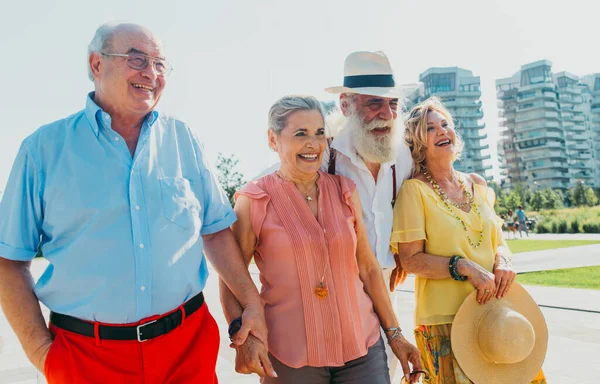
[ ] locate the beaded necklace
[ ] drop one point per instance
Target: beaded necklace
(469, 200)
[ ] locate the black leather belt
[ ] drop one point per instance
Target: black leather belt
(141, 332)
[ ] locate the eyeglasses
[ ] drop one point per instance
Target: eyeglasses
(140, 61)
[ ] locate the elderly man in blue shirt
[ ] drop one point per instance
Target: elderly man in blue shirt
(121, 202)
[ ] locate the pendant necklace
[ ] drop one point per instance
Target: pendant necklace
(321, 290)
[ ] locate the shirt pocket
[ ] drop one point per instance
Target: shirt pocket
(179, 202)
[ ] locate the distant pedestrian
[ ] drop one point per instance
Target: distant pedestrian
(522, 221)
(510, 224)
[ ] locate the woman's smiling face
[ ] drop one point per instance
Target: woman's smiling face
(300, 145)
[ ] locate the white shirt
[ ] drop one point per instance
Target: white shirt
(375, 197)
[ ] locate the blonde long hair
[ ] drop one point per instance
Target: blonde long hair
(416, 131)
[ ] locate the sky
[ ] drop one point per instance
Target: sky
(234, 58)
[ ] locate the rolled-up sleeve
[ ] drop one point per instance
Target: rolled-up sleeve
(218, 213)
(21, 209)
(409, 216)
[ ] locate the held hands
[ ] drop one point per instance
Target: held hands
(253, 322)
(252, 357)
(407, 353)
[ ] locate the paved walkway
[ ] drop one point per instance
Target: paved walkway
(572, 352)
(557, 236)
(580, 256)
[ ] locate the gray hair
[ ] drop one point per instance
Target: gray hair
(100, 42)
(284, 107)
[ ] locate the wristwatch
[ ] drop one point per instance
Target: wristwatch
(234, 327)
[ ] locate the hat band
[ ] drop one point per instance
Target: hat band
(363, 81)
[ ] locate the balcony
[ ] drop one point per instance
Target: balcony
(575, 128)
(552, 165)
(577, 137)
(539, 105)
(481, 157)
(508, 94)
(470, 124)
(536, 116)
(558, 184)
(478, 114)
(580, 147)
(463, 103)
(478, 146)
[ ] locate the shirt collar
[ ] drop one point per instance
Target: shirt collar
(343, 144)
(95, 115)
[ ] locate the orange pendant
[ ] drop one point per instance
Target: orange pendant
(321, 292)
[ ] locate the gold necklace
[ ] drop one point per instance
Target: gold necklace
(469, 199)
(306, 194)
(321, 290)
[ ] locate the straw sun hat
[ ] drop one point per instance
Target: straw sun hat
(370, 73)
(501, 342)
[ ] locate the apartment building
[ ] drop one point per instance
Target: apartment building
(546, 139)
(592, 91)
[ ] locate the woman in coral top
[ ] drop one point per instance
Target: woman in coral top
(446, 233)
(324, 295)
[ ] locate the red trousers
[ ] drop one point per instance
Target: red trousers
(187, 354)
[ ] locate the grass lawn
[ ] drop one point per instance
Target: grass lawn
(585, 277)
(523, 245)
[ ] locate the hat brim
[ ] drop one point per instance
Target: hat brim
(395, 92)
(466, 348)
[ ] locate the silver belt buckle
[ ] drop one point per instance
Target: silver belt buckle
(139, 327)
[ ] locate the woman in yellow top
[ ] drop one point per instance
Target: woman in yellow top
(446, 233)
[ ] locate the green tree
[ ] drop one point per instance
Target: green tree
(512, 200)
(524, 193)
(538, 200)
(231, 180)
(498, 191)
(582, 195)
(590, 197)
(554, 199)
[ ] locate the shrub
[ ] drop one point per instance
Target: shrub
(562, 226)
(590, 227)
(543, 227)
(574, 226)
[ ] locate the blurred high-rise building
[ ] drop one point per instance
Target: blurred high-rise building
(460, 91)
(546, 137)
(592, 83)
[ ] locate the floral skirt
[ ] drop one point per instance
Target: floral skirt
(438, 360)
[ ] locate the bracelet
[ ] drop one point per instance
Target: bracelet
(454, 270)
(504, 260)
(234, 327)
(397, 333)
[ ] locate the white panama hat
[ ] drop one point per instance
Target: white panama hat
(370, 73)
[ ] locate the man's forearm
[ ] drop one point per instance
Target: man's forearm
(225, 256)
(231, 307)
(22, 309)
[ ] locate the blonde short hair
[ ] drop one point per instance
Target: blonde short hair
(416, 131)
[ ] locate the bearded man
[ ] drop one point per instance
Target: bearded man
(368, 147)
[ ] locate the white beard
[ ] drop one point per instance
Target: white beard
(372, 148)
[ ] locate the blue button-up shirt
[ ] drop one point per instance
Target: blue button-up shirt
(122, 234)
